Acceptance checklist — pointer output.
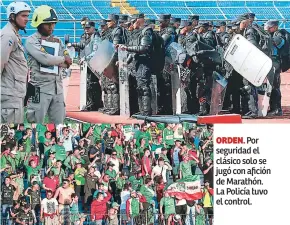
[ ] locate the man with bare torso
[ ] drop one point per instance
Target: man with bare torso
(64, 200)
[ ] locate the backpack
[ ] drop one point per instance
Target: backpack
(285, 51)
(265, 42)
(124, 34)
(158, 54)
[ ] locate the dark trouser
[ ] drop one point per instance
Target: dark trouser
(235, 83)
(133, 95)
(143, 78)
(111, 96)
(275, 99)
(164, 91)
(181, 210)
(249, 98)
(203, 90)
(94, 92)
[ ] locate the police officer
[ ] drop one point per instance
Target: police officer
(194, 19)
(175, 22)
(183, 31)
(209, 36)
(84, 38)
(150, 22)
(14, 68)
(46, 88)
(117, 35)
(104, 30)
(142, 47)
(164, 20)
(232, 100)
(123, 21)
(221, 33)
(249, 91)
(278, 43)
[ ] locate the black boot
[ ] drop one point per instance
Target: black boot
(114, 110)
(102, 110)
(109, 103)
(202, 109)
(146, 103)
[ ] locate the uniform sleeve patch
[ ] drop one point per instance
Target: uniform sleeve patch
(10, 43)
(42, 49)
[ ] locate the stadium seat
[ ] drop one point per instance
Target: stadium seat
(70, 12)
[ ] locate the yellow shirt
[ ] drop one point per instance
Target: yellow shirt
(206, 200)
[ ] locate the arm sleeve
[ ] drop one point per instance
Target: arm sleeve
(145, 45)
(8, 44)
(251, 37)
(34, 48)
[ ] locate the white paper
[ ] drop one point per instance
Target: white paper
(51, 48)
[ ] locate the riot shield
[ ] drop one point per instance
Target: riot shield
(83, 86)
(103, 60)
(175, 55)
(218, 93)
(264, 93)
(123, 83)
(248, 60)
(153, 87)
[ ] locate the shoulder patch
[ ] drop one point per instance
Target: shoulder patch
(10, 42)
(42, 49)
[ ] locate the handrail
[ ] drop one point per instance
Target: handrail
(67, 10)
(152, 9)
(278, 10)
(219, 8)
(100, 14)
(31, 4)
(188, 7)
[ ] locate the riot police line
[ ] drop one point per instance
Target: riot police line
(190, 68)
(127, 67)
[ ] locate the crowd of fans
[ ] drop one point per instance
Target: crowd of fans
(104, 173)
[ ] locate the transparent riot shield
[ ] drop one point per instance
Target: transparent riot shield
(218, 93)
(103, 60)
(175, 55)
(83, 85)
(123, 83)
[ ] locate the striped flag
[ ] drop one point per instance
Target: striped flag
(188, 188)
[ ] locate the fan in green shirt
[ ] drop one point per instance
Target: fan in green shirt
(32, 168)
(185, 167)
(168, 136)
(119, 150)
(97, 133)
(143, 135)
(40, 129)
(169, 205)
(60, 153)
(72, 160)
(111, 172)
(136, 182)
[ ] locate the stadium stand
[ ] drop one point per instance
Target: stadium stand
(71, 11)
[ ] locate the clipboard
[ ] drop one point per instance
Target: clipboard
(51, 48)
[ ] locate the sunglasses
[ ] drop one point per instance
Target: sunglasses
(114, 154)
